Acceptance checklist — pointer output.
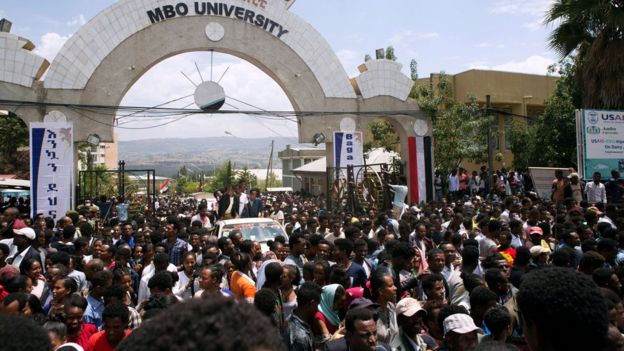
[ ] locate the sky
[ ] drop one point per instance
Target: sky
(444, 35)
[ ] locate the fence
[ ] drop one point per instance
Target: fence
(119, 183)
(362, 188)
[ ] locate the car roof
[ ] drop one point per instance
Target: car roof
(246, 220)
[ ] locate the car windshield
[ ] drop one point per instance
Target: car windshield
(255, 231)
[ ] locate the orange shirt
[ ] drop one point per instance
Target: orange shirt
(242, 286)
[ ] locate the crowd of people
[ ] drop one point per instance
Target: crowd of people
(469, 271)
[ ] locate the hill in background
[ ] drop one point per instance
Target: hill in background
(166, 156)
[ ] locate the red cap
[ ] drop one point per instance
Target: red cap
(19, 224)
(536, 230)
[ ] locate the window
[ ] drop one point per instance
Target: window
(495, 137)
(533, 114)
(508, 125)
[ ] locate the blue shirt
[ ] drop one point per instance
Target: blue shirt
(93, 313)
(357, 274)
(176, 251)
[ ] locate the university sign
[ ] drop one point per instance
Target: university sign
(601, 142)
(204, 8)
(99, 63)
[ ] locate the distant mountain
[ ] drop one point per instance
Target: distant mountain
(166, 156)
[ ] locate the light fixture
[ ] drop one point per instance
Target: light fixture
(93, 139)
(319, 138)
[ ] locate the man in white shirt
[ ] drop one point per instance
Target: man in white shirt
(610, 213)
(595, 191)
(243, 199)
(277, 214)
(202, 216)
(160, 264)
(22, 240)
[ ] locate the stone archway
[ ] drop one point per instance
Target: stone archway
(113, 50)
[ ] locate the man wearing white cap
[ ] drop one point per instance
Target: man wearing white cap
(410, 316)
(22, 239)
(460, 332)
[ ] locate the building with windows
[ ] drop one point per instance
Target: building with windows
(104, 154)
(523, 95)
(295, 157)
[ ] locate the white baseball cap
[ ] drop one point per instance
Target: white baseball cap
(27, 232)
(459, 323)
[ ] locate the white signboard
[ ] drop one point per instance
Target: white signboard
(348, 151)
(603, 142)
(51, 168)
(543, 177)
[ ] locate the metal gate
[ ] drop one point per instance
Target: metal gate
(119, 183)
(362, 188)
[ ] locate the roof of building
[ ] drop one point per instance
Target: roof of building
(375, 156)
(318, 166)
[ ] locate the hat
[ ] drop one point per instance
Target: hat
(408, 307)
(538, 250)
(536, 230)
(27, 232)
(18, 224)
(352, 294)
(459, 323)
(362, 302)
(573, 175)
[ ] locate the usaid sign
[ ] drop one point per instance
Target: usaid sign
(602, 141)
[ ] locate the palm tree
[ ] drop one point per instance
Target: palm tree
(593, 30)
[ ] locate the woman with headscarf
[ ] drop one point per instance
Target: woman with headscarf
(327, 318)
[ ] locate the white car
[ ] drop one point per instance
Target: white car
(257, 229)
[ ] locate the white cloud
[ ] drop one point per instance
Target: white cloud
(534, 64)
(535, 8)
(51, 44)
(410, 36)
(534, 25)
(76, 21)
(477, 65)
(484, 45)
(243, 82)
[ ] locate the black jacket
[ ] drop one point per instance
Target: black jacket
(224, 203)
(31, 253)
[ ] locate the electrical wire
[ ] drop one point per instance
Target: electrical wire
(162, 110)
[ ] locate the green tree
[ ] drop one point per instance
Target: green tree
(414, 69)
(245, 175)
(13, 135)
(383, 135)
(272, 182)
(222, 177)
(459, 129)
(183, 171)
(190, 187)
(593, 30)
(390, 54)
(181, 183)
(551, 139)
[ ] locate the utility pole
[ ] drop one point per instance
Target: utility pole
(269, 167)
(488, 104)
